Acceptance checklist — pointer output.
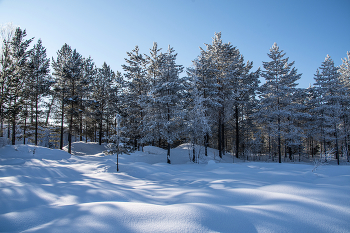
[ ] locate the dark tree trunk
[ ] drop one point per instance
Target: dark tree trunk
(193, 152)
(62, 119)
(279, 140)
(168, 154)
(36, 121)
(206, 142)
(86, 131)
(219, 136)
(49, 111)
(70, 135)
(237, 131)
(107, 124)
(336, 144)
(100, 132)
(24, 130)
(13, 129)
(223, 137)
(81, 127)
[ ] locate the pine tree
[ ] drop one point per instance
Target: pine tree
(89, 73)
(101, 91)
(204, 90)
(39, 82)
(227, 85)
(5, 71)
(331, 99)
(17, 76)
(151, 118)
(277, 94)
(164, 111)
(68, 71)
(344, 70)
(197, 123)
(137, 88)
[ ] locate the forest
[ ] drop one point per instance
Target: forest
(218, 102)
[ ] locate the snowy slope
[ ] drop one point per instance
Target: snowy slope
(51, 191)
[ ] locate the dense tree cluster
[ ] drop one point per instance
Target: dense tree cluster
(219, 102)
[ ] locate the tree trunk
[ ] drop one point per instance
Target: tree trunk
(237, 131)
(223, 138)
(206, 142)
(24, 130)
(13, 129)
(1, 122)
(336, 143)
(107, 124)
(100, 132)
(193, 152)
(70, 134)
(279, 140)
(49, 111)
(219, 136)
(62, 120)
(36, 121)
(81, 127)
(168, 154)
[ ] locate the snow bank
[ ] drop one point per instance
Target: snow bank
(10, 152)
(86, 194)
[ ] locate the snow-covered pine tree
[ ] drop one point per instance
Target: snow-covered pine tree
(137, 88)
(150, 127)
(60, 72)
(332, 96)
(5, 71)
(73, 84)
(171, 91)
(39, 81)
(297, 120)
(102, 88)
(344, 70)
(164, 110)
(6, 34)
(197, 125)
(277, 94)
(203, 91)
(226, 80)
(310, 127)
(68, 73)
(243, 86)
(17, 76)
(88, 103)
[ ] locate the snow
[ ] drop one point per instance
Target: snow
(45, 190)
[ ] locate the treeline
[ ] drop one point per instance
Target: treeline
(218, 103)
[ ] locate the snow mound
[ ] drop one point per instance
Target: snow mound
(9, 153)
(211, 162)
(82, 149)
(182, 154)
(154, 150)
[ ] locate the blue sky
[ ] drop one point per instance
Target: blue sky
(306, 30)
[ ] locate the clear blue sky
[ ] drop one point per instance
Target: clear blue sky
(306, 30)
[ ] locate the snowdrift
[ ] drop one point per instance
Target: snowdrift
(52, 191)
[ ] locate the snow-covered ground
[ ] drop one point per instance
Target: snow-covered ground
(44, 190)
